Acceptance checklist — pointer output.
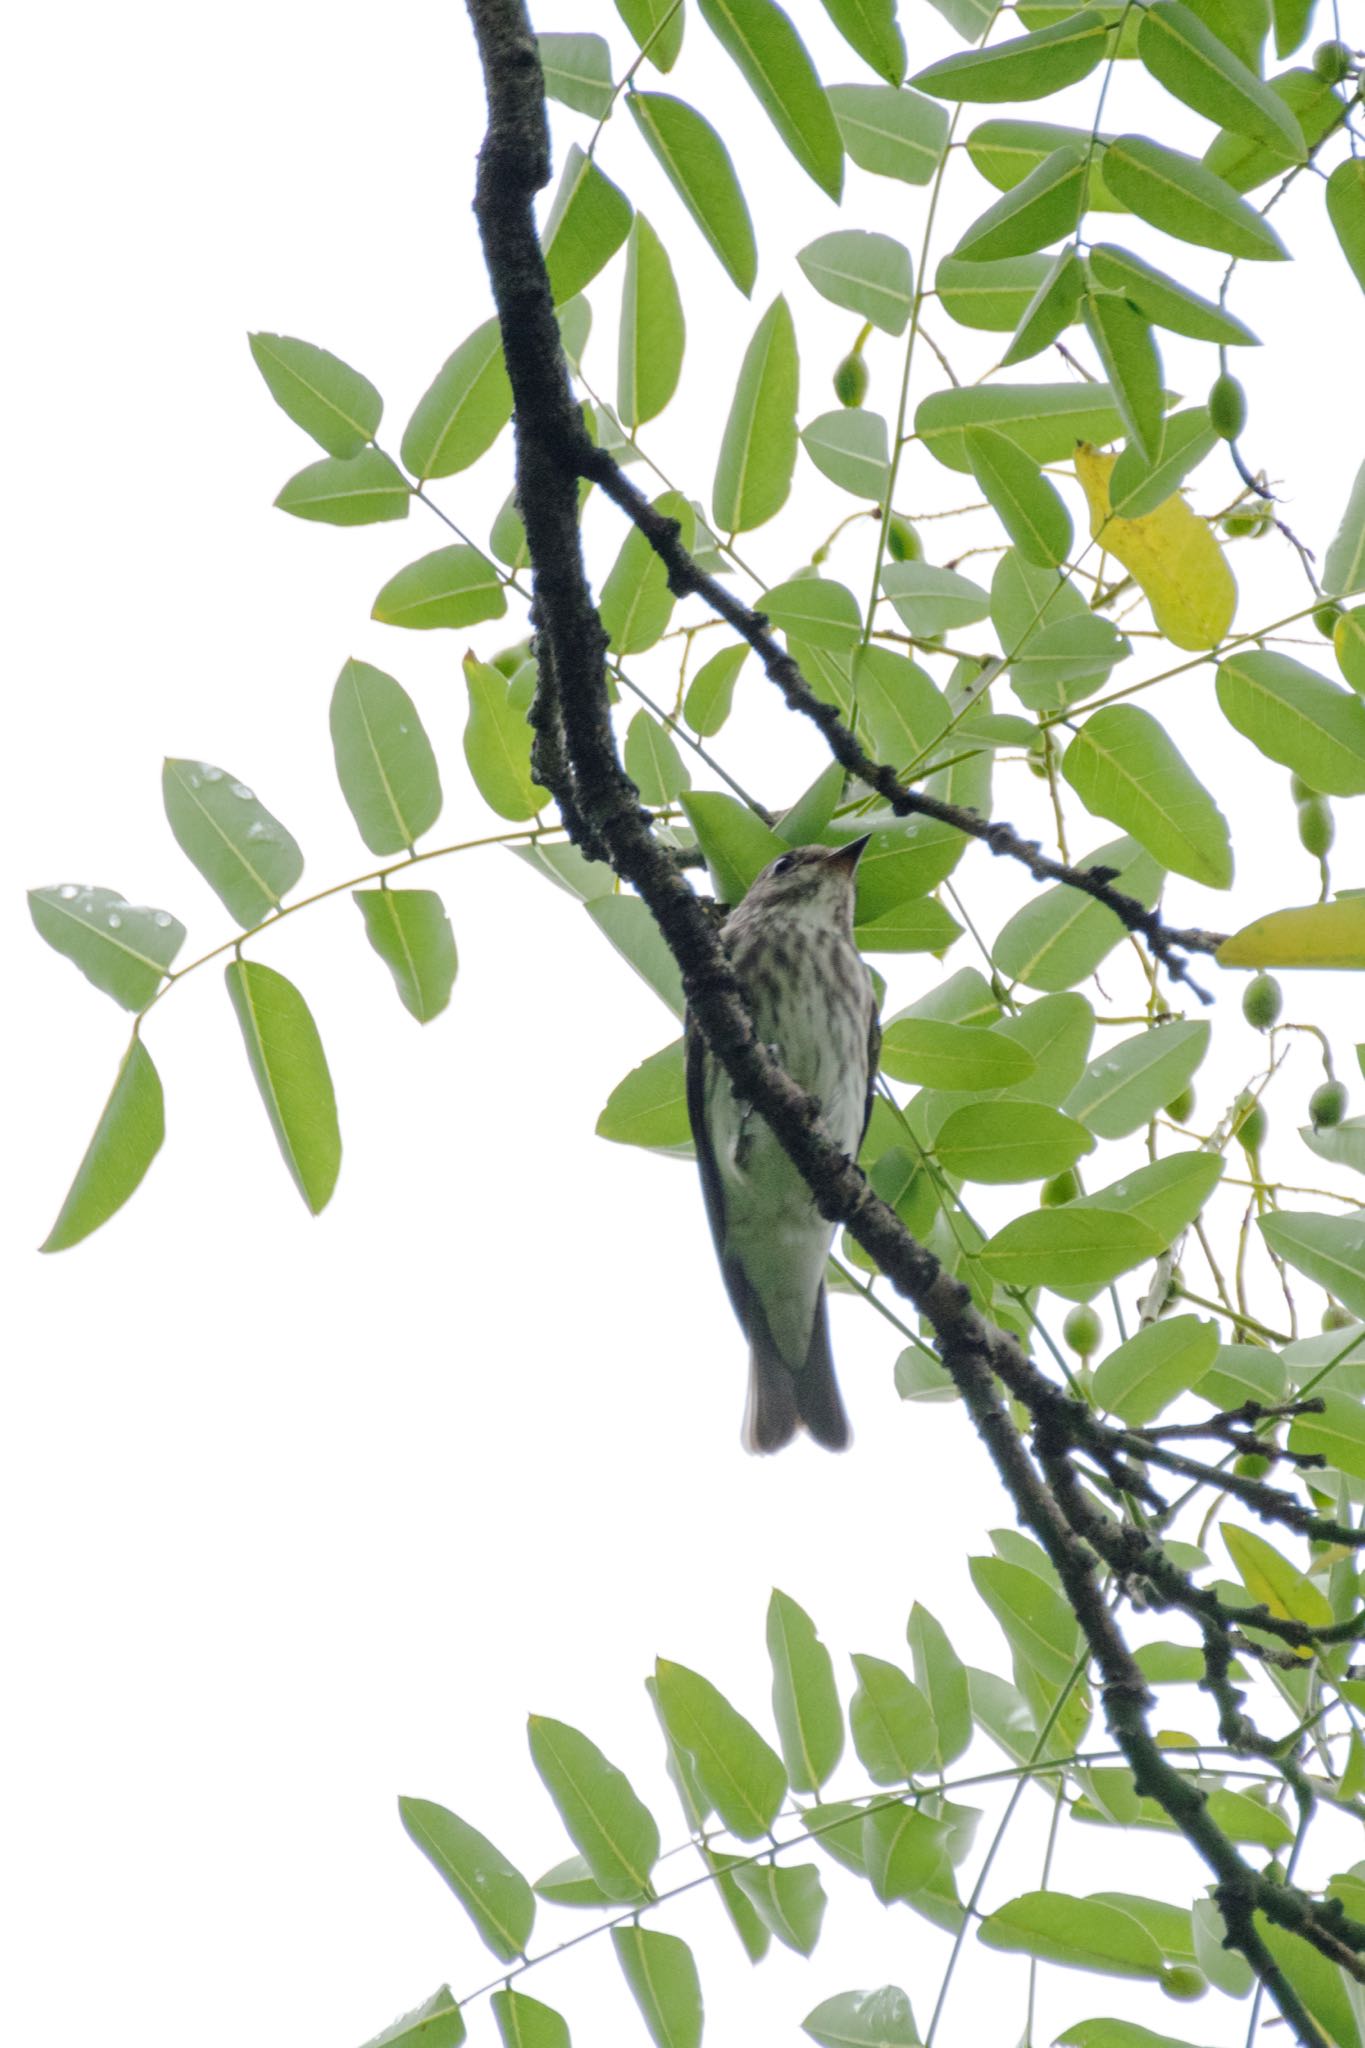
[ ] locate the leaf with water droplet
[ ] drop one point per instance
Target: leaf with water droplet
(243, 852)
(127, 1138)
(124, 948)
(384, 760)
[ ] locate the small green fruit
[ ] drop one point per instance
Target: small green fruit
(1063, 1187)
(1251, 1465)
(1316, 829)
(1335, 1317)
(1037, 756)
(903, 544)
(1348, 639)
(1227, 407)
(1262, 1001)
(1180, 1108)
(509, 659)
(1244, 525)
(1183, 1981)
(1332, 62)
(851, 381)
(1300, 790)
(1251, 1128)
(1327, 1105)
(1083, 1330)
(1325, 619)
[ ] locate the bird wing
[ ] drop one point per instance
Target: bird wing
(874, 1053)
(713, 1192)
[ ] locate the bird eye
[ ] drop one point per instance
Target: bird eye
(787, 862)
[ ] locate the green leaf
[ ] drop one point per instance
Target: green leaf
(904, 711)
(610, 1827)
(1124, 766)
(1040, 209)
(568, 869)
(998, 1142)
(588, 221)
(636, 603)
(1314, 106)
(809, 817)
(290, 1067)
(1128, 356)
(697, 165)
(971, 18)
(649, 1107)
(1061, 935)
(745, 1921)
(893, 134)
(1338, 1434)
(1292, 18)
(495, 1895)
(850, 448)
(1030, 509)
(1025, 68)
(577, 72)
(1348, 641)
(124, 948)
(774, 63)
(1138, 1381)
(866, 273)
(497, 745)
(710, 694)
(1137, 487)
(1046, 420)
(244, 854)
(788, 1898)
(1106, 2033)
(1071, 1247)
(649, 359)
(628, 923)
(657, 26)
(663, 1980)
(1242, 25)
(455, 586)
(127, 1139)
(465, 408)
(1272, 1580)
(653, 763)
(810, 1725)
(1126, 1086)
(1053, 307)
(1039, 1625)
(758, 448)
(736, 842)
(814, 609)
(1297, 717)
(410, 932)
(991, 296)
(384, 760)
(1164, 300)
(436, 2023)
(893, 1727)
(916, 926)
(942, 1678)
(1193, 64)
(869, 27)
(931, 600)
(362, 491)
(1343, 572)
(1329, 1249)
(863, 2019)
(1346, 211)
(326, 397)
(740, 1774)
(937, 1055)
(524, 2022)
(904, 1849)
(1082, 1934)
(1166, 1196)
(1005, 150)
(1182, 197)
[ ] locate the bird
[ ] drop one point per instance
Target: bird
(790, 943)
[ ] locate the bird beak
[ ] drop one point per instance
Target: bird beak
(847, 857)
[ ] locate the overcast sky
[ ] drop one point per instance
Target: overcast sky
(305, 1514)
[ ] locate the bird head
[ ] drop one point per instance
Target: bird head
(810, 882)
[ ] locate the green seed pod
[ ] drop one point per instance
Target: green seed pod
(1083, 1330)
(1332, 62)
(1227, 407)
(1262, 1001)
(903, 544)
(1247, 525)
(1062, 1188)
(1327, 1105)
(1316, 829)
(1180, 1108)
(1251, 1128)
(1325, 619)
(1300, 790)
(851, 381)
(1335, 1317)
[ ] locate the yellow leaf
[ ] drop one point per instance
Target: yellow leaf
(1170, 553)
(1318, 935)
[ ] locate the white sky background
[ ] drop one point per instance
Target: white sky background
(305, 1514)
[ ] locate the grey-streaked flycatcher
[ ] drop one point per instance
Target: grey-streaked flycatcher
(790, 943)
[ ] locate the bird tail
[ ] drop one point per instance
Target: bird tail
(782, 1401)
